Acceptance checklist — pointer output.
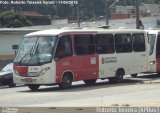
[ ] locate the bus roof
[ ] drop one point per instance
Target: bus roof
(92, 30)
(154, 31)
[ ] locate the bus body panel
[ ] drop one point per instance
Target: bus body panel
(109, 64)
(154, 58)
(44, 74)
(152, 66)
(82, 67)
(158, 64)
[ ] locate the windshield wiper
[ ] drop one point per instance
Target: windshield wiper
(29, 52)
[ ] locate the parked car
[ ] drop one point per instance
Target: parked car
(6, 76)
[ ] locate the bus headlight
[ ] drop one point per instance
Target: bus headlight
(42, 72)
(152, 62)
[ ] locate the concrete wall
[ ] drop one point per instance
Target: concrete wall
(60, 21)
(145, 9)
(7, 39)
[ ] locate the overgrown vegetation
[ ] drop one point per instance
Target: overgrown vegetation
(13, 19)
(88, 9)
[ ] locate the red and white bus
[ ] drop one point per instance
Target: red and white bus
(61, 56)
(154, 52)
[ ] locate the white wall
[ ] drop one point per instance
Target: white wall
(153, 9)
(9, 38)
(60, 21)
(6, 42)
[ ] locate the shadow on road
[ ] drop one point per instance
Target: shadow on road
(101, 84)
(7, 87)
(150, 76)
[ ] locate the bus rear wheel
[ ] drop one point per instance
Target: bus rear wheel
(66, 81)
(33, 87)
(90, 82)
(118, 78)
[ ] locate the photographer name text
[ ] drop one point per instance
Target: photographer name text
(38, 2)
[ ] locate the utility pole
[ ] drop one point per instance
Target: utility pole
(137, 14)
(108, 7)
(107, 12)
(78, 14)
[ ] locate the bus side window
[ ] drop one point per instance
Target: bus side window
(138, 42)
(64, 47)
(104, 43)
(123, 43)
(84, 44)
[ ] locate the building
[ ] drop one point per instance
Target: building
(59, 21)
(9, 41)
(150, 9)
(36, 18)
(119, 16)
(144, 10)
(125, 9)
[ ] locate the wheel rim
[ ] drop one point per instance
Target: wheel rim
(66, 83)
(120, 76)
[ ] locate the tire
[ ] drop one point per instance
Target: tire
(134, 75)
(158, 74)
(90, 82)
(33, 87)
(112, 80)
(11, 84)
(66, 81)
(118, 78)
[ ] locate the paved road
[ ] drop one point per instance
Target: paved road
(141, 91)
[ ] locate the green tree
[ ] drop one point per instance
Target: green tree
(13, 19)
(87, 8)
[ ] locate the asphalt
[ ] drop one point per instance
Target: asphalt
(81, 105)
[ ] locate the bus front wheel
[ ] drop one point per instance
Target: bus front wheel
(11, 84)
(33, 87)
(90, 82)
(66, 81)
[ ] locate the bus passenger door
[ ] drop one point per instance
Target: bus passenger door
(86, 60)
(139, 57)
(63, 57)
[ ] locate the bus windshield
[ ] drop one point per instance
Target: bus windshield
(152, 38)
(36, 50)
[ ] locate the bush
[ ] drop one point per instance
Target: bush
(13, 19)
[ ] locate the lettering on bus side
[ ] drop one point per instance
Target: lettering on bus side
(109, 60)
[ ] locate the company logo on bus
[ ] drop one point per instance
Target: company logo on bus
(109, 60)
(103, 60)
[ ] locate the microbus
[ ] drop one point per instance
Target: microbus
(61, 56)
(154, 52)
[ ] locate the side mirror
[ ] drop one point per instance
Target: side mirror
(14, 47)
(56, 59)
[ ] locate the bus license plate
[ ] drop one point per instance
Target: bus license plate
(28, 79)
